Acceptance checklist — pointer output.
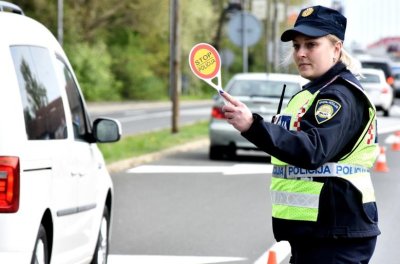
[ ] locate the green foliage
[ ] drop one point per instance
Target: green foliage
(135, 66)
(120, 48)
(92, 66)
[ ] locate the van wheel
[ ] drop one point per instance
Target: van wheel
(41, 251)
(101, 250)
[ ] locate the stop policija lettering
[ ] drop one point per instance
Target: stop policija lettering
(205, 61)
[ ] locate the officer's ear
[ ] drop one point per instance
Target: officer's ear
(338, 49)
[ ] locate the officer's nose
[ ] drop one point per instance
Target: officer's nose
(300, 52)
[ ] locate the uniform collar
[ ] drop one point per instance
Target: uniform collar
(318, 83)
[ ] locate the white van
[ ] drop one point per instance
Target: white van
(55, 192)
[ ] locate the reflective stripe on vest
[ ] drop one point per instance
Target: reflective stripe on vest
(359, 176)
(330, 169)
(298, 200)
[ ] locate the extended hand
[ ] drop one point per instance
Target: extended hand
(237, 113)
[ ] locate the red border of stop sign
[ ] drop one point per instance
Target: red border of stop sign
(216, 56)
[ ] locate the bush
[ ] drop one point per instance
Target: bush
(135, 66)
(92, 66)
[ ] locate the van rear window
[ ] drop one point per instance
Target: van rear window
(40, 93)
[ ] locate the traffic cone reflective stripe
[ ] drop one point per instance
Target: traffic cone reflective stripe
(272, 257)
(381, 165)
(396, 142)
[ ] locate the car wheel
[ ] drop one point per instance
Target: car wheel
(101, 250)
(216, 153)
(41, 250)
(230, 152)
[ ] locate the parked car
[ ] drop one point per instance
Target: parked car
(383, 64)
(396, 74)
(261, 92)
(378, 90)
(55, 192)
(397, 82)
(380, 63)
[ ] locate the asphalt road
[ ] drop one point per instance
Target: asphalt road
(139, 117)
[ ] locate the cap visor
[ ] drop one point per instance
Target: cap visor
(289, 34)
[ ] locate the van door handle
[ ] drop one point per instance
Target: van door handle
(77, 173)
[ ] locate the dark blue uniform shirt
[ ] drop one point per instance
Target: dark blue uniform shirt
(341, 211)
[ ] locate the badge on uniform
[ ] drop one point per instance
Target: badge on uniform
(326, 109)
(282, 120)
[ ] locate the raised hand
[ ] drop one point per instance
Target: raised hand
(237, 113)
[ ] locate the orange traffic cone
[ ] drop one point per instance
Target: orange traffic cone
(380, 164)
(396, 142)
(272, 257)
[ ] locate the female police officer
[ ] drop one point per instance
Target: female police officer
(322, 147)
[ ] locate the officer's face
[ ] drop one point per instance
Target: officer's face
(314, 56)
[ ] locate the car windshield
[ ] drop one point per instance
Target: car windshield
(370, 78)
(259, 88)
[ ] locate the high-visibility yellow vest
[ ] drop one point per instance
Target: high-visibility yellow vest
(294, 195)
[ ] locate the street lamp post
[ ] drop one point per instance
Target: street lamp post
(175, 77)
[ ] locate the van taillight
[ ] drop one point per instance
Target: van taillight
(9, 184)
(217, 113)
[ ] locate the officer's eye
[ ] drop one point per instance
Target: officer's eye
(296, 46)
(310, 45)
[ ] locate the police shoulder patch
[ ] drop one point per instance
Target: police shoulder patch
(326, 109)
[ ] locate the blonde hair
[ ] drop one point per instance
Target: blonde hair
(351, 63)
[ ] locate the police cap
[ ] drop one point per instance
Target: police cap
(317, 21)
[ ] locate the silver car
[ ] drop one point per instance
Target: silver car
(261, 93)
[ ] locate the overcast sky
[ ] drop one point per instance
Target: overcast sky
(369, 20)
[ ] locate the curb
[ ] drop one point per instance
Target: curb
(126, 164)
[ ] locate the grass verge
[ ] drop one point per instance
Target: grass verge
(136, 145)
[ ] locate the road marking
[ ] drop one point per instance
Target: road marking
(226, 170)
(147, 259)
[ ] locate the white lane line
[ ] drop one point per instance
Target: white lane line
(147, 259)
(226, 170)
(282, 250)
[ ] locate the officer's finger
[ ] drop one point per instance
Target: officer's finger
(230, 99)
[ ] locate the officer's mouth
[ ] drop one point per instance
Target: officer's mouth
(300, 65)
(303, 66)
